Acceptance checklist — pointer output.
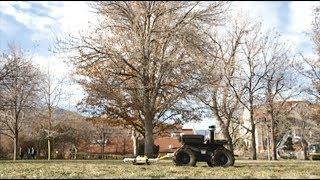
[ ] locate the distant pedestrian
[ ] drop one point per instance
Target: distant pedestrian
(29, 153)
(32, 153)
(21, 153)
(74, 152)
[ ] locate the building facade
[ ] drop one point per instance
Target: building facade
(295, 121)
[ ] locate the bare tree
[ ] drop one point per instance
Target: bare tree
(102, 134)
(4, 71)
(219, 68)
(279, 86)
(5, 65)
(137, 66)
(310, 67)
(20, 91)
(253, 66)
(314, 72)
(52, 94)
(315, 35)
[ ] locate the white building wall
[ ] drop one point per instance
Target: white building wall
(247, 124)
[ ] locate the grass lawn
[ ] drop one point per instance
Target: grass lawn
(165, 169)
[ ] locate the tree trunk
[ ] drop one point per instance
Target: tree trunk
(304, 149)
(253, 136)
(15, 139)
(134, 138)
(117, 146)
(304, 153)
(253, 131)
(49, 150)
(273, 140)
(124, 146)
(253, 141)
(15, 143)
(268, 143)
(102, 146)
(229, 139)
(148, 142)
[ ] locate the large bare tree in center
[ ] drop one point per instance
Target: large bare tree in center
(138, 64)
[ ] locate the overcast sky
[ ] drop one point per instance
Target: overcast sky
(34, 25)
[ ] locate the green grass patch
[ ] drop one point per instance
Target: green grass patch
(93, 169)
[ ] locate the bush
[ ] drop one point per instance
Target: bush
(3, 154)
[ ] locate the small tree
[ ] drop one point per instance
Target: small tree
(220, 66)
(252, 67)
(52, 94)
(279, 88)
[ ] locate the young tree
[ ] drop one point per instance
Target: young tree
(221, 66)
(20, 90)
(137, 66)
(279, 86)
(52, 94)
(252, 67)
(102, 133)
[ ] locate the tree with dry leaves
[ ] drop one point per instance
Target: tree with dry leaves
(5, 69)
(310, 67)
(51, 95)
(314, 71)
(19, 94)
(279, 87)
(138, 64)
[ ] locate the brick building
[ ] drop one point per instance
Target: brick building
(296, 113)
(123, 145)
(169, 144)
(116, 140)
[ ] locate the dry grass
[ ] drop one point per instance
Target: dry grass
(165, 169)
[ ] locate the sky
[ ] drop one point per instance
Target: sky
(35, 24)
